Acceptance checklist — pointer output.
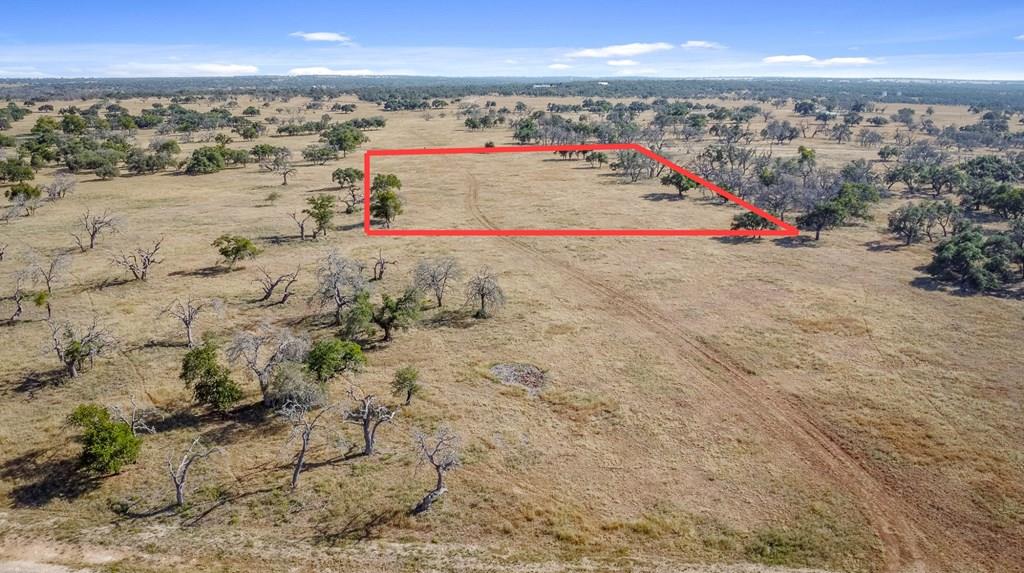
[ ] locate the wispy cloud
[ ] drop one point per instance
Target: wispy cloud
(700, 45)
(559, 66)
(138, 69)
(325, 71)
(321, 36)
(1021, 38)
(805, 59)
(623, 63)
(620, 50)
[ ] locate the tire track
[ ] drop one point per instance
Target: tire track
(903, 544)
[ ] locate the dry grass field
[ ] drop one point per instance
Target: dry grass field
(711, 405)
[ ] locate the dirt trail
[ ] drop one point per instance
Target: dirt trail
(904, 545)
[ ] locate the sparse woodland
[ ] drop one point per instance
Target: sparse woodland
(198, 334)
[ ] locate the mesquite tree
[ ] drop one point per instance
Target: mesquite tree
(269, 284)
(179, 473)
(264, 351)
(304, 422)
(441, 451)
(434, 275)
(92, 226)
(484, 290)
(187, 312)
(139, 261)
(74, 345)
(369, 415)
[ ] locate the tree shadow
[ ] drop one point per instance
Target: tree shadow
(739, 240)
(36, 381)
(221, 502)
(362, 526)
(212, 271)
(880, 247)
(55, 478)
(796, 242)
(662, 197)
(450, 318)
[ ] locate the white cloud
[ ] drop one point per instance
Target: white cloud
(621, 50)
(325, 71)
(512, 62)
(321, 36)
(559, 66)
(622, 63)
(805, 59)
(846, 62)
(801, 59)
(138, 69)
(1021, 38)
(225, 69)
(637, 72)
(700, 45)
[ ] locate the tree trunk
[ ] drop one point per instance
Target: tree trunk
(188, 334)
(408, 396)
(300, 460)
(367, 439)
(179, 493)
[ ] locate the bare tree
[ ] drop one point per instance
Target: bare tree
(92, 226)
(368, 414)
(134, 417)
(304, 422)
(179, 474)
(301, 223)
(188, 310)
(263, 351)
(441, 451)
(483, 289)
(139, 261)
(380, 265)
(269, 284)
(281, 164)
(74, 345)
(63, 184)
(19, 295)
(51, 270)
(434, 275)
(339, 282)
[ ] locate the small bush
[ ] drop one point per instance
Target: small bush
(107, 444)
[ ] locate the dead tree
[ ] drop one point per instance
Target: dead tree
(301, 224)
(339, 281)
(63, 185)
(304, 422)
(441, 451)
(483, 290)
(134, 417)
(269, 284)
(139, 261)
(434, 275)
(281, 164)
(369, 415)
(380, 265)
(264, 350)
(179, 474)
(51, 270)
(92, 226)
(188, 310)
(18, 296)
(73, 345)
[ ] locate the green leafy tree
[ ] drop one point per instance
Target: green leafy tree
(908, 222)
(386, 205)
(680, 182)
(208, 379)
(397, 313)
(973, 261)
(321, 210)
(234, 248)
(751, 221)
(406, 382)
(330, 357)
(344, 138)
(107, 444)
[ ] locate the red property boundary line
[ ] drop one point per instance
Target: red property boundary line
(784, 230)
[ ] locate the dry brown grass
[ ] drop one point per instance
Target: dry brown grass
(640, 454)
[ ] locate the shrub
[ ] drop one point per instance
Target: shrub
(330, 357)
(210, 382)
(107, 444)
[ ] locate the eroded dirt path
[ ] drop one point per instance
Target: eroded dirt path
(905, 547)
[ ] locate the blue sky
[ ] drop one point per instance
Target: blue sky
(598, 38)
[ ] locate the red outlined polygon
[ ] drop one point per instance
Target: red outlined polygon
(784, 228)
